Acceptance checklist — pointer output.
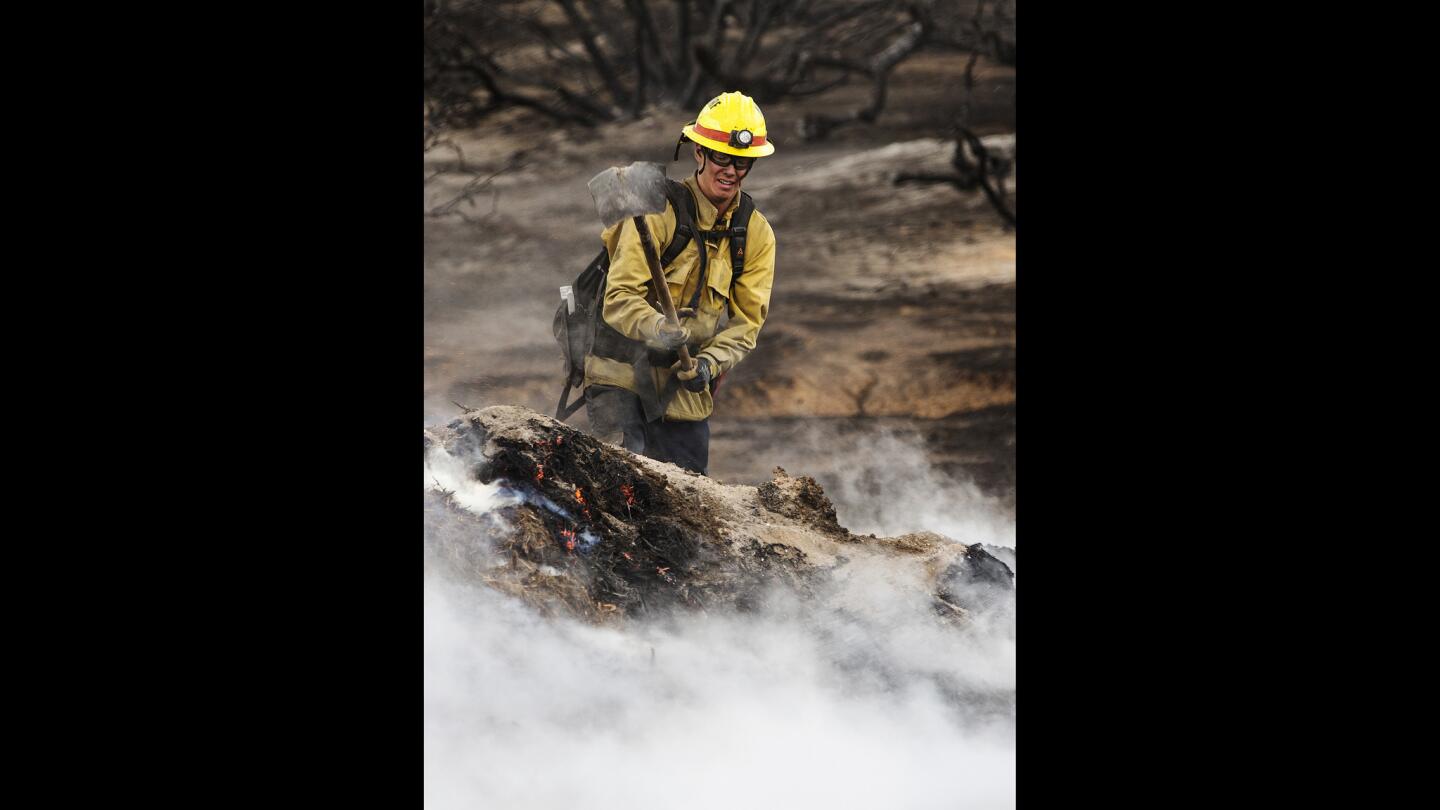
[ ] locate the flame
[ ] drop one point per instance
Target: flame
(539, 472)
(629, 493)
(569, 535)
(627, 556)
(580, 497)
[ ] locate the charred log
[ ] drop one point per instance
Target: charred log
(587, 529)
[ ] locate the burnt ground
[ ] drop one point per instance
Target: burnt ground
(892, 327)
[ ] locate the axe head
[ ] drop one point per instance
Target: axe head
(621, 192)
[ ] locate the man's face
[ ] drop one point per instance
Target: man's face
(719, 183)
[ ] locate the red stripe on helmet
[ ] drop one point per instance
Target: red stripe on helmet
(715, 134)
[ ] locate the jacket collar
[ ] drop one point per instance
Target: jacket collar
(704, 210)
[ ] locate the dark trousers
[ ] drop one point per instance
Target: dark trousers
(616, 416)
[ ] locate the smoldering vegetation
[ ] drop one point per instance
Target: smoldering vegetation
(597, 532)
(842, 670)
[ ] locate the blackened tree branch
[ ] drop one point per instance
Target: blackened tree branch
(586, 62)
(986, 171)
(597, 58)
(975, 168)
(818, 126)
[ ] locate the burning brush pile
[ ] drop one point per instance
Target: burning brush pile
(574, 526)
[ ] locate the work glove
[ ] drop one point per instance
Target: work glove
(670, 336)
(695, 380)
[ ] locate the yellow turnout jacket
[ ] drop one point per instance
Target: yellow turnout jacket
(627, 311)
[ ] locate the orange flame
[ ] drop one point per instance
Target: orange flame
(539, 472)
(569, 535)
(629, 493)
(578, 496)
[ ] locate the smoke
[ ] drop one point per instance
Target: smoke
(446, 472)
(892, 488)
(719, 713)
(876, 705)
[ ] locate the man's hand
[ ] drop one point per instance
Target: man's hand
(669, 335)
(695, 380)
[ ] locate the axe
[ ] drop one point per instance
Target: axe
(634, 191)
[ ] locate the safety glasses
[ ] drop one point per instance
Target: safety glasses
(742, 164)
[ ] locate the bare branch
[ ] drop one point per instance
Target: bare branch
(467, 195)
(602, 65)
(585, 62)
(817, 126)
(985, 170)
(974, 167)
(682, 53)
(646, 24)
(639, 69)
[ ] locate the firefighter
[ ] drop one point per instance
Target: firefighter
(650, 404)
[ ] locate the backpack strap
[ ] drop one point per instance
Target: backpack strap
(737, 236)
(736, 233)
(575, 329)
(685, 213)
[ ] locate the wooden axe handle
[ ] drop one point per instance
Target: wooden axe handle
(662, 290)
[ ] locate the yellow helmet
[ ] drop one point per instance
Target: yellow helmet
(730, 123)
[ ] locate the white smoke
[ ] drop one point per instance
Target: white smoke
(719, 713)
(790, 707)
(894, 489)
(446, 472)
